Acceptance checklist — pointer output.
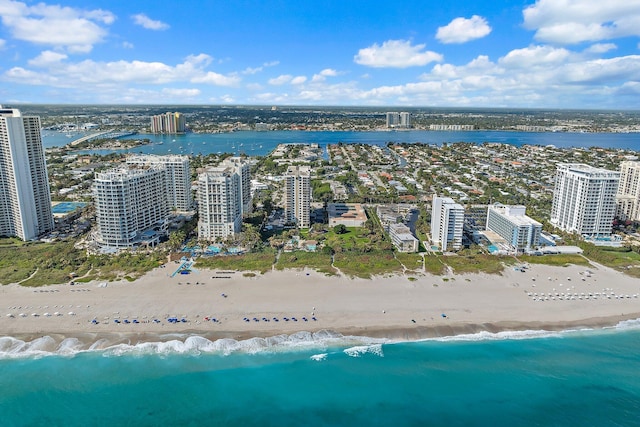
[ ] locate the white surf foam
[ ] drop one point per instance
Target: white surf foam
(628, 324)
(319, 357)
(361, 350)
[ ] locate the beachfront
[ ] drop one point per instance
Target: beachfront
(229, 305)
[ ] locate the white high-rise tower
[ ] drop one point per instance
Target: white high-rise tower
(447, 220)
(584, 199)
(25, 197)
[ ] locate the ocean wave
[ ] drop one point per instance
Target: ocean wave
(319, 357)
(181, 344)
(628, 324)
(361, 350)
(499, 336)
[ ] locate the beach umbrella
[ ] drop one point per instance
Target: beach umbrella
(71, 313)
(23, 315)
(57, 313)
(47, 314)
(9, 315)
(34, 314)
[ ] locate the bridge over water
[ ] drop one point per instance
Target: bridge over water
(103, 134)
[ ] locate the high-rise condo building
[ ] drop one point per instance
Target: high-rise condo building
(584, 199)
(219, 203)
(25, 197)
(243, 170)
(297, 195)
(131, 204)
(393, 119)
(511, 223)
(447, 221)
(628, 196)
(168, 123)
(405, 120)
(178, 177)
(398, 120)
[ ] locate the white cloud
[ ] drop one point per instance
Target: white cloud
(127, 45)
(535, 56)
(47, 58)
(601, 48)
(255, 70)
(322, 75)
(396, 54)
(75, 30)
(3, 43)
(328, 72)
(298, 80)
(181, 93)
(150, 24)
(58, 73)
(576, 21)
(280, 80)
(217, 79)
(462, 30)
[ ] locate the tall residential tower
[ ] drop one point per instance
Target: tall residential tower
(297, 195)
(628, 196)
(447, 221)
(131, 205)
(219, 203)
(25, 197)
(584, 199)
(168, 123)
(178, 177)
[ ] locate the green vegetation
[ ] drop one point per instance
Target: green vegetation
(559, 260)
(622, 259)
(433, 265)
(412, 262)
(367, 265)
(320, 262)
(465, 263)
(38, 264)
(255, 261)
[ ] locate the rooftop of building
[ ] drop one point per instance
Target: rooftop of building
(586, 169)
(515, 214)
(346, 210)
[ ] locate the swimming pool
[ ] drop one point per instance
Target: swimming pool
(66, 207)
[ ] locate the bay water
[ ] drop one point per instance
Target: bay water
(262, 143)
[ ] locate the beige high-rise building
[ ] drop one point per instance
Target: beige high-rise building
(297, 195)
(628, 196)
(219, 203)
(243, 170)
(131, 204)
(178, 177)
(25, 196)
(168, 123)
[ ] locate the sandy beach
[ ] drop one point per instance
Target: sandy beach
(285, 302)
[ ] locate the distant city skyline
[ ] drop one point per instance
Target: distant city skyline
(531, 54)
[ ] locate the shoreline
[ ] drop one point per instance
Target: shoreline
(392, 308)
(406, 334)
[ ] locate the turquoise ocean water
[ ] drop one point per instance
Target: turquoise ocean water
(579, 378)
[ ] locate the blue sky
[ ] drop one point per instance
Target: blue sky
(469, 53)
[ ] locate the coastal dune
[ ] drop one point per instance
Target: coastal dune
(286, 302)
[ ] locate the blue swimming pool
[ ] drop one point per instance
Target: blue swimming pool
(66, 207)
